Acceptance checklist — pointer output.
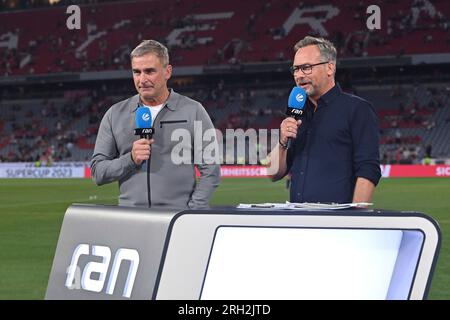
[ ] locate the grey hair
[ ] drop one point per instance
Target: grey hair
(326, 47)
(154, 47)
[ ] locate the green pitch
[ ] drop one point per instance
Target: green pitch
(31, 214)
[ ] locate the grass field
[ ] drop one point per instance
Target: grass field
(31, 214)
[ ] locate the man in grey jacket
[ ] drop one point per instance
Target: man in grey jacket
(121, 156)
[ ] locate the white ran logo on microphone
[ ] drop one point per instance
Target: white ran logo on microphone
(299, 97)
(145, 117)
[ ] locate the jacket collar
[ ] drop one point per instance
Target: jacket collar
(172, 103)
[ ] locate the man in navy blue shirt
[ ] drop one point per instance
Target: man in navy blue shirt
(334, 156)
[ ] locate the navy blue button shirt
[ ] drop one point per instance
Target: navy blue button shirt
(335, 144)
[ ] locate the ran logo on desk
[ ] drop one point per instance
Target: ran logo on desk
(90, 284)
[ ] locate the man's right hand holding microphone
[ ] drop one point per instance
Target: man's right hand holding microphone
(141, 150)
(288, 129)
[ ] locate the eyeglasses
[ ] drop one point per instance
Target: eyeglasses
(306, 68)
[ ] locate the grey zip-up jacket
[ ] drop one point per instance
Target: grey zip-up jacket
(171, 184)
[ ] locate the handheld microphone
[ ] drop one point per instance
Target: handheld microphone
(144, 130)
(296, 103)
(144, 123)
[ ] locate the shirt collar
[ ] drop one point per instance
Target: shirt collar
(330, 95)
(171, 103)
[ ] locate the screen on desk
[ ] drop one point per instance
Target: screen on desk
(311, 263)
